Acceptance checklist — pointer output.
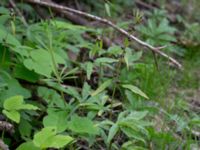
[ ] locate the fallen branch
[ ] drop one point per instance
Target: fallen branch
(3, 146)
(7, 127)
(12, 3)
(111, 24)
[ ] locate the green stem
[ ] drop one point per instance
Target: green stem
(115, 86)
(59, 80)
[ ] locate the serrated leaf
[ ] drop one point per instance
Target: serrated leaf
(135, 90)
(13, 115)
(102, 87)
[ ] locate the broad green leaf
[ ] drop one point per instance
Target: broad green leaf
(13, 103)
(17, 103)
(47, 138)
(42, 138)
(112, 132)
(13, 115)
(41, 62)
(60, 141)
(102, 87)
(22, 72)
(73, 92)
(56, 119)
(133, 134)
(25, 128)
(14, 88)
(51, 97)
(28, 146)
(89, 69)
(8, 38)
(105, 60)
(82, 125)
(135, 90)
(4, 11)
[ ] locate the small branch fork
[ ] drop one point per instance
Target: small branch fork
(111, 24)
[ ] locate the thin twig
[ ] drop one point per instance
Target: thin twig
(12, 3)
(3, 146)
(111, 24)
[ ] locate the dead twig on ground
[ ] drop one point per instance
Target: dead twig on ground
(111, 24)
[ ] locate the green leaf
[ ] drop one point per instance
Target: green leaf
(28, 107)
(8, 38)
(56, 119)
(65, 25)
(41, 62)
(130, 58)
(112, 132)
(89, 69)
(82, 125)
(42, 138)
(47, 138)
(13, 115)
(107, 7)
(28, 146)
(13, 103)
(14, 88)
(85, 91)
(105, 60)
(102, 87)
(60, 141)
(133, 134)
(25, 128)
(135, 90)
(17, 103)
(22, 72)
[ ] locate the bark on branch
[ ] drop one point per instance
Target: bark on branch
(111, 24)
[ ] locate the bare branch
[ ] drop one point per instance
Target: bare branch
(111, 24)
(3, 146)
(12, 3)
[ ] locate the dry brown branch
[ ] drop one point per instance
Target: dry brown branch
(12, 3)
(3, 146)
(111, 24)
(7, 127)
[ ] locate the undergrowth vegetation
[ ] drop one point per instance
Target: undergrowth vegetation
(62, 87)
